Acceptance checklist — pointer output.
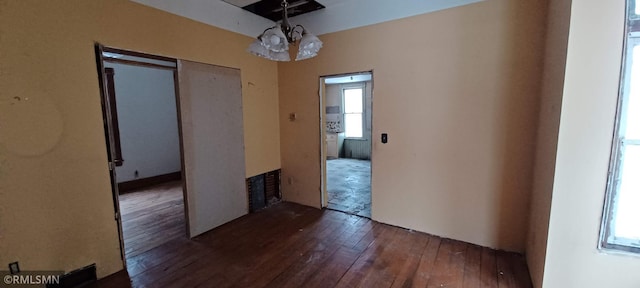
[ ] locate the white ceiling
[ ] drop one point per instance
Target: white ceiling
(337, 16)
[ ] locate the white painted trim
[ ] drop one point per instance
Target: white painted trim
(348, 79)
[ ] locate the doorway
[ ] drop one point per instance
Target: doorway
(346, 139)
(141, 91)
(206, 111)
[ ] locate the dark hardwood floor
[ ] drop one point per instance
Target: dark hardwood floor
(152, 216)
(289, 245)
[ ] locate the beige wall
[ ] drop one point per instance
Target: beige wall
(549, 118)
(584, 143)
(56, 210)
(457, 91)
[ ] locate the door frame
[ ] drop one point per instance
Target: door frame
(110, 130)
(323, 134)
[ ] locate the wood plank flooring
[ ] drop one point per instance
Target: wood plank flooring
(289, 245)
(151, 217)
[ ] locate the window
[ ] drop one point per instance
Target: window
(621, 226)
(353, 112)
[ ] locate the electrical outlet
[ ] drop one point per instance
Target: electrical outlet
(135, 174)
(14, 268)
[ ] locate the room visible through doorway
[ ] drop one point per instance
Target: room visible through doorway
(346, 110)
(143, 114)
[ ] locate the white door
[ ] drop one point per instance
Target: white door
(213, 144)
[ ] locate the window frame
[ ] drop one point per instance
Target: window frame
(608, 241)
(362, 87)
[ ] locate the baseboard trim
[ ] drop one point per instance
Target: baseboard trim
(82, 277)
(129, 186)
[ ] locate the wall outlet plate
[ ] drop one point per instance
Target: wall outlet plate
(14, 268)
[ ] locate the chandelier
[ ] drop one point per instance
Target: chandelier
(274, 42)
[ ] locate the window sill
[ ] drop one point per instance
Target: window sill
(617, 252)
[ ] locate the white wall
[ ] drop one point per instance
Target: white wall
(584, 141)
(147, 117)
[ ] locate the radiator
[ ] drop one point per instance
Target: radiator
(357, 149)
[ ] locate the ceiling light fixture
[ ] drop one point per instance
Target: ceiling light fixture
(274, 42)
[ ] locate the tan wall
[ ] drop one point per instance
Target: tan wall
(56, 210)
(586, 128)
(457, 91)
(549, 119)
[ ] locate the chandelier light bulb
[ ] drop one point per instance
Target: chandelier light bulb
(275, 40)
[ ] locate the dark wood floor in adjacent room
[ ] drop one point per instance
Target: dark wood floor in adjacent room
(290, 245)
(152, 216)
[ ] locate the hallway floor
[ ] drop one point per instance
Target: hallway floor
(349, 186)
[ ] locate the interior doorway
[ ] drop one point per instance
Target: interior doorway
(147, 157)
(346, 139)
(203, 103)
